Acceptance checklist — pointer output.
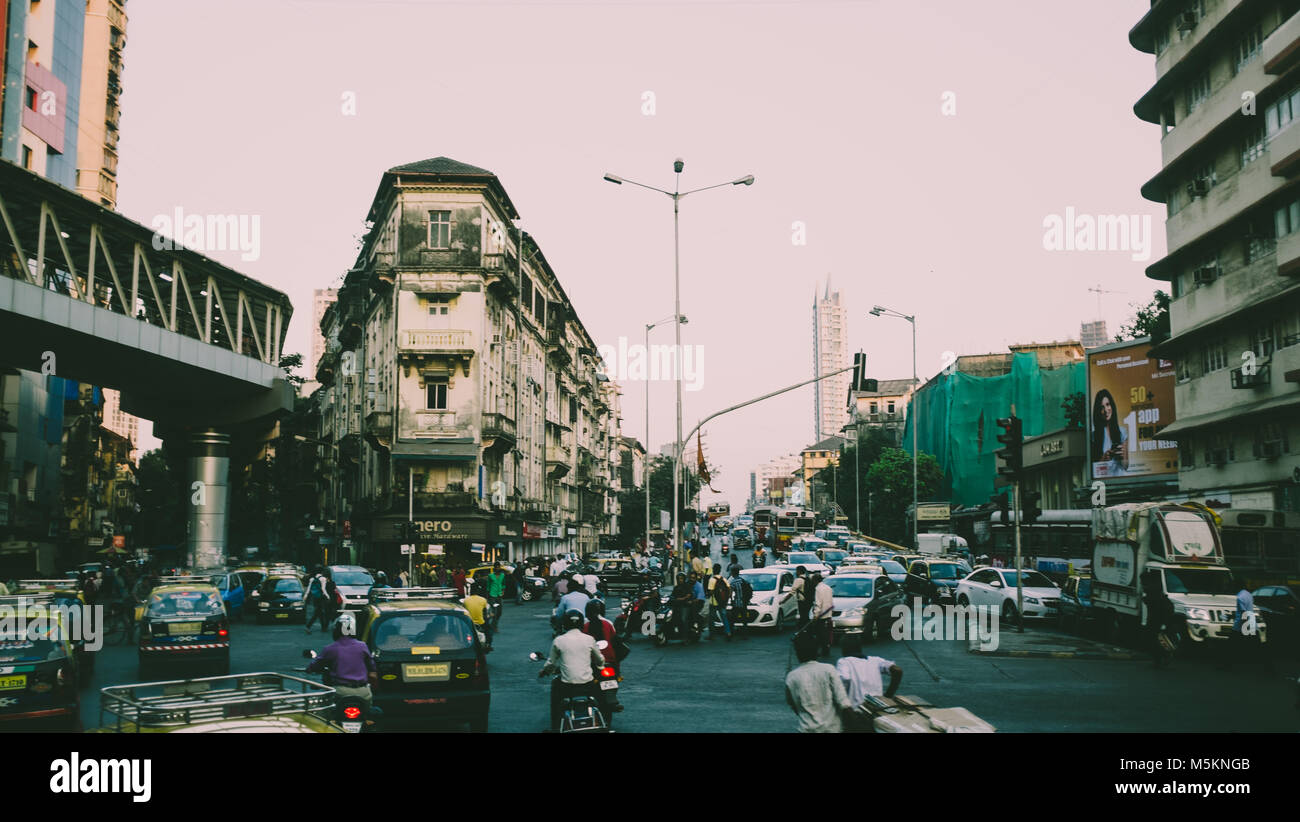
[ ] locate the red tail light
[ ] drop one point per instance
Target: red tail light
(607, 672)
(351, 712)
(223, 632)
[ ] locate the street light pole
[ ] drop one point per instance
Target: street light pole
(677, 194)
(878, 311)
(645, 464)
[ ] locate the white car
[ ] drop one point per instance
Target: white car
(996, 588)
(810, 561)
(772, 604)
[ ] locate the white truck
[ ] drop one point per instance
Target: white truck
(939, 544)
(1172, 546)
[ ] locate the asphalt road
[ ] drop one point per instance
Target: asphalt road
(719, 686)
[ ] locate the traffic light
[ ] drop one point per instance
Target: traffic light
(1003, 505)
(860, 380)
(1029, 505)
(1009, 457)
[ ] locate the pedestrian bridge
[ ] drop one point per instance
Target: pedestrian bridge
(86, 294)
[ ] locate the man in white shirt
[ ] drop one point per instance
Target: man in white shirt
(573, 655)
(814, 690)
(558, 567)
(863, 677)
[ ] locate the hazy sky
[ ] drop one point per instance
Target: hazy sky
(835, 107)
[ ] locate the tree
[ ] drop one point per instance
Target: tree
(289, 363)
(874, 442)
(162, 496)
(889, 482)
(1075, 407)
(1152, 320)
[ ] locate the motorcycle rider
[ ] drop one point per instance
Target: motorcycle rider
(348, 667)
(574, 655)
(683, 599)
(760, 557)
(598, 628)
(575, 600)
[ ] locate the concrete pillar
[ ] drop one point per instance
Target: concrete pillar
(209, 499)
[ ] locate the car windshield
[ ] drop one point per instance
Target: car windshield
(1085, 587)
(946, 571)
(30, 649)
(761, 582)
(892, 567)
(185, 603)
(1199, 581)
(1033, 579)
(834, 556)
(850, 586)
(803, 559)
(282, 585)
(353, 578)
(402, 632)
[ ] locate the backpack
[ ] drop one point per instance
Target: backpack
(721, 591)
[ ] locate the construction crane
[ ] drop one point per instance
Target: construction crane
(1099, 290)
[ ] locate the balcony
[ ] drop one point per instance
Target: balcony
(430, 341)
(1284, 152)
(1282, 47)
(435, 425)
(1259, 379)
(557, 459)
(498, 432)
(117, 17)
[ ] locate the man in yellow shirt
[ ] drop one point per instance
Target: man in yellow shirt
(477, 605)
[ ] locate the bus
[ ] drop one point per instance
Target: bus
(1261, 547)
(791, 523)
(717, 511)
(764, 518)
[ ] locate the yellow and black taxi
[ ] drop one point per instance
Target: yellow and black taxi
(282, 598)
(242, 703)
(184, 624)
(38, 666)
(65, 592)
(430, 660)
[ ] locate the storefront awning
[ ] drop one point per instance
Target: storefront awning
(438, 451)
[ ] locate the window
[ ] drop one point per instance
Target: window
(439, 229)
(1252, 148)
(27, 158)
(1286, 218)
(1162, 40)
(436, 394)
(1168, 118)
(1187, 452)
(1219, 448)
(1176, 286)
(1198, 91)
(438, 305)
(875, 408)
(1270, 435)
(1184, 369)
(1278, 116)
(890, 406)
(33, 99)
(1248, 47)
(1262, 340)
(1214, 357)
(526, 293)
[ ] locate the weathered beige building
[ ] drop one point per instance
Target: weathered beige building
(452, 368)
(1227, 99)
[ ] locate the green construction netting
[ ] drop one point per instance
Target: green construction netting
(959, 415)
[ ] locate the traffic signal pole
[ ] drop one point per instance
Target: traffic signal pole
(1020, 588)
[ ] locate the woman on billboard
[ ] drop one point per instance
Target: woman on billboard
(1109, 439)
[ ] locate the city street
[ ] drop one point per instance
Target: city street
(720, 687)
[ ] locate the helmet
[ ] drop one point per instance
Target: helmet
(595, 609)
(381, 577)
(573, 618)
(346, 624)
(579, 580)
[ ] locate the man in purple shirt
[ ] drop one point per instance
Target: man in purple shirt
(346, 662)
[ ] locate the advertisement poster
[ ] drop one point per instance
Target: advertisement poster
(1130, 400)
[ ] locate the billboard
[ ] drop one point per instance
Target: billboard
(1130, 400)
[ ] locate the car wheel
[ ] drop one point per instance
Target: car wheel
(661, 639)
(963, 601)
(780, 620)
(1008, 611)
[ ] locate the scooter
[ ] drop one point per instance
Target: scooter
(350, 713)
(590, 713)
(666, 627)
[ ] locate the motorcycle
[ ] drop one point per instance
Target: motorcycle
(633, 611)
(666, 625)
(350, 712)
(760, 560)
(590, 713)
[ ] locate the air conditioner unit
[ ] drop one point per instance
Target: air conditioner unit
(1198, 187)
(1186, 21)
(1206, 274)
(1218, 456)
(1270, 449)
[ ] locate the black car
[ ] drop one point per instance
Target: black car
(38, 670)
(621, 574)
(934, 580)
(431, 663)
(184, 624)
(281, 599)
(1279, 605)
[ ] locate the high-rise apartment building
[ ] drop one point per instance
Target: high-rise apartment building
(101, 86)
(830, 353)
(120, 422)
(1227, 102)
(321, 299)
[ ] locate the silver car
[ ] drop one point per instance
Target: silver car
(354, 584)
(862, 602)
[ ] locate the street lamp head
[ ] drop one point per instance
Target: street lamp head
(678, 165)
(877, 311)
(682, 319)
(747, 180)
(615, 179)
